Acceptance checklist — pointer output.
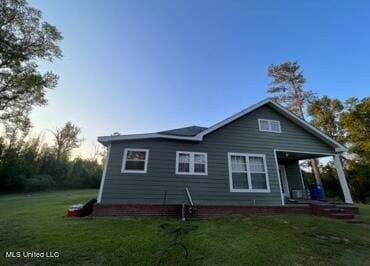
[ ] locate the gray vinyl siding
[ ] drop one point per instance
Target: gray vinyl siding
(242, 136)
(293, 175)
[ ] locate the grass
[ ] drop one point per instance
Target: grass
(38, 222)
(365, 212)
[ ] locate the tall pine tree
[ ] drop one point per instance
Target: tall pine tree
(287, 86)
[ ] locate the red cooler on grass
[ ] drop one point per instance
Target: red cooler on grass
(74, 210)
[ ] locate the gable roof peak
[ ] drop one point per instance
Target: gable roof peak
(282, 110)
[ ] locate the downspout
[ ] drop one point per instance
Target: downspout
(183, 207)
(189, 196)
(183, 218)
(104, 174)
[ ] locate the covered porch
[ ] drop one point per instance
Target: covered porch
(291, 179)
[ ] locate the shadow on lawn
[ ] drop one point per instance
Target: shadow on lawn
(177, 234)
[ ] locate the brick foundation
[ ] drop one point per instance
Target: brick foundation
(136, 210)
(222, 211)
(200, 211)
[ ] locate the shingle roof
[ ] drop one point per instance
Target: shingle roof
(184, 131)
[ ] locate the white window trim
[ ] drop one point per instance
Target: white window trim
(269, 123)
(191, 169)
(267, 190)
(123, 170)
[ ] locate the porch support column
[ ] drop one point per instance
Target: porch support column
(342, 179)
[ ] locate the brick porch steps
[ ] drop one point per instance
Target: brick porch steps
(344, 212)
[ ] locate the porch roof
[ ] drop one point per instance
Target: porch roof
(298, 155)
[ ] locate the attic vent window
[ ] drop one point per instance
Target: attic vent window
(269, 125)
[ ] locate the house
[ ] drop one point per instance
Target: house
(249, 159)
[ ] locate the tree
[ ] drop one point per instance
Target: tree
(288, 86)
(24, 40)
(325, 113)
(348, 123)
(98, 153)
(288, 83)
(66, 139)
(356, 121)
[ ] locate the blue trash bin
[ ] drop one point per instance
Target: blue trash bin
(316, 192)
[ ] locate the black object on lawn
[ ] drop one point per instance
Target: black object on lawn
(87, 209)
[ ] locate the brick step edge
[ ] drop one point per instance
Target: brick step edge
(353, 221)
(341, 216)
(328, 209)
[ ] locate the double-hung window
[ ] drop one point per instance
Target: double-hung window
(191, 163)
(135, 160)
(248, 173)
(269, 125)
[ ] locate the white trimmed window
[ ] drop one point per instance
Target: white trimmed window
(135, 160)
(248, 172)
(269, 125)
(191, 163)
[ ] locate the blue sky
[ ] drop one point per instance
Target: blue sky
(144, 66)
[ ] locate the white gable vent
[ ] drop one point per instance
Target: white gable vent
(268, 125)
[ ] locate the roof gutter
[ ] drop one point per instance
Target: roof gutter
(107, 139)
(341, 149)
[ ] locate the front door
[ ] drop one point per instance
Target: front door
(284, 181)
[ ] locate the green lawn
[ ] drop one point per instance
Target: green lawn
(365, 212)
(38, 222)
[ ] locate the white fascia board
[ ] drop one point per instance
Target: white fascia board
(106, 139)
(341, 149)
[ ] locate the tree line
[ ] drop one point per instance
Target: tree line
(33, 165)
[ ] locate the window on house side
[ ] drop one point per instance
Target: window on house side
(135, 160)
(248, 172)
(191, 163)
(239, 172)
(258, 174)
(184, 163)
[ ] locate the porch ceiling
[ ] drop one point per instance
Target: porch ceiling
(287, 156)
